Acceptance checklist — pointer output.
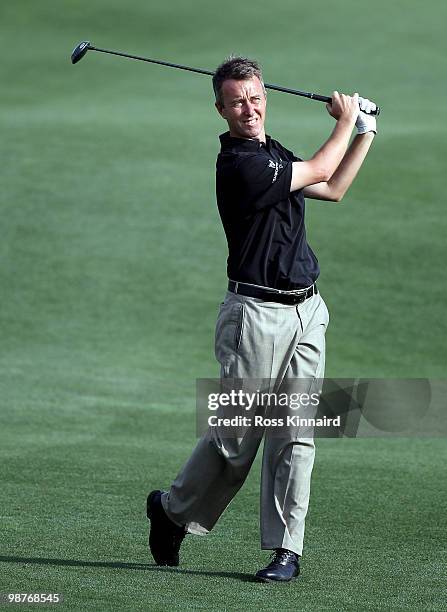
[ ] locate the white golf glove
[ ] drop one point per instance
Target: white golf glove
(366, 123)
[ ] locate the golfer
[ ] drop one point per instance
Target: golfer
(273, 320)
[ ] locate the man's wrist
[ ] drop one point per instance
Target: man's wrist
(348, 121)
(370, 133)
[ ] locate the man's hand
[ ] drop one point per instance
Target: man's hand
(366, 123)
(344, 107)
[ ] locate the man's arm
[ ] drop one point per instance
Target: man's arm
(335, 188)
(321, 167)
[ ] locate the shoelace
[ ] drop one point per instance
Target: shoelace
(282, 556)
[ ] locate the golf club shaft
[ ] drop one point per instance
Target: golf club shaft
(151, 61)
(295, 92)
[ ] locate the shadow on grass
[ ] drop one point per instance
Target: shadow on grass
(127, 566)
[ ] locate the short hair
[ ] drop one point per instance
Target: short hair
(235, 67)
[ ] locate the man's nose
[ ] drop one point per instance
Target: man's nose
(248, 107)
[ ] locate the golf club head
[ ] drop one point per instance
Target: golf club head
(79, 51)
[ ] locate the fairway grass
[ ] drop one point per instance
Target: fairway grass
(76, 481)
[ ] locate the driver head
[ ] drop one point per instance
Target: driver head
(79, 51)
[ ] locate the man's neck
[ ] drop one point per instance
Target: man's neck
(261, 137)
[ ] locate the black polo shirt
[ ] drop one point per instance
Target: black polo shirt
(263, 221)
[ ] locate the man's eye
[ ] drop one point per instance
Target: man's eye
(238, 103)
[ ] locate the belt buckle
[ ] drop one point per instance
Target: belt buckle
(297, 298)
(294, 299)
(307, 294)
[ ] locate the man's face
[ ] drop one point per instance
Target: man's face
(244, 105)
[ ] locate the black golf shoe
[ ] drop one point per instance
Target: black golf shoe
(283, 567)
(165, 537)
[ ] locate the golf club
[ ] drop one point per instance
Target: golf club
(81, 49)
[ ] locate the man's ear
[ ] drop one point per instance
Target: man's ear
(220, 109)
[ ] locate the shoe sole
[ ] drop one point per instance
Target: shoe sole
(271, 580)
(158, 560)
(261, 579)
(150, 497)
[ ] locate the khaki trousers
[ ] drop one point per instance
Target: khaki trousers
(257, 340)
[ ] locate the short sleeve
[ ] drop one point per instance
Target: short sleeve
(264, 182)
(292, 155)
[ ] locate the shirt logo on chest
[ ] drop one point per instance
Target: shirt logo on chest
(276, 166)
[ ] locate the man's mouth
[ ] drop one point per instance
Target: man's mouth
(251, 121)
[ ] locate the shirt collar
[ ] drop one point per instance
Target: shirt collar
(242, 144)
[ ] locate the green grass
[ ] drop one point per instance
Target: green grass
(78, 473)
(113, 265)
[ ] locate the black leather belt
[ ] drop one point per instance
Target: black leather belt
(283, 297)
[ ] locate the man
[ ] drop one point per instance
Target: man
(272, 323)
